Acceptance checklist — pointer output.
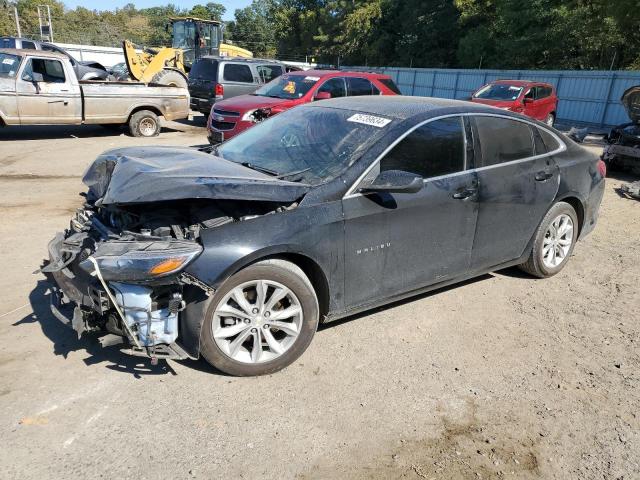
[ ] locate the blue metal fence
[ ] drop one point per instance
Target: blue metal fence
(586, 97)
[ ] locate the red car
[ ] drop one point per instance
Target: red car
(232, 116)
(534, 99)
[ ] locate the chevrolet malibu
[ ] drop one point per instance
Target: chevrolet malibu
(323, 211)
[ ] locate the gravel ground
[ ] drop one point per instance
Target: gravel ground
(503, 376)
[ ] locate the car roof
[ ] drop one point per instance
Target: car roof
(520, 83)
(337, 73)
(403, 107)
(32, 52)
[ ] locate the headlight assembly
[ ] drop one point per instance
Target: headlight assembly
(142, 260)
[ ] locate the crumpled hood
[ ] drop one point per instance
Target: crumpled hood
(154, 174)
(631, 101)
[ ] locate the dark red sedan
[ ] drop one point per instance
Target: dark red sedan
(534, 99)
(232, 116)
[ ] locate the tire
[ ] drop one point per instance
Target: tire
(242, 358)
(171, 78)
(540, 263)
(550, 120)
(144, 123)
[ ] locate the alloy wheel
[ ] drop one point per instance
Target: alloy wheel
(557, 241)
(257, 321)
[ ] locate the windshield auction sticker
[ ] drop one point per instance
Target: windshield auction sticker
(369, 120)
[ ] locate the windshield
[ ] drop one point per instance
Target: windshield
(306, 144)
(9, 65)
(499, 91)
(288, 86)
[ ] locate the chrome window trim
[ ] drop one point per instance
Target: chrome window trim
(352, 191)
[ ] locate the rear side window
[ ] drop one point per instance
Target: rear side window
(334, 86)
(434, 149)
(503, 140)
(269, 72)
(550, 142)
(360, 86)
(205, 69)
(234, 72)
(28, 45)
(51, 70)
(390, 84)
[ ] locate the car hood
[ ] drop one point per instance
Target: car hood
(244, 103)
(631, 101)
(155, 174)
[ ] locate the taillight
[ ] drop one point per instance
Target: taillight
(602, 168)
(219, 91)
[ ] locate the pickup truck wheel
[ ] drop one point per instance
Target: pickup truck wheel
(144, 124)
(260, 320)
(170, 78)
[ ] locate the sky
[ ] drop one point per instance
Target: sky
(231, 5)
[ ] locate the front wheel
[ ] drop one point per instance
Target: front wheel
(261, 319)
(554, 242)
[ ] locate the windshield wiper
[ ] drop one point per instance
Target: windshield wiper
(291, 174)
(257, 168)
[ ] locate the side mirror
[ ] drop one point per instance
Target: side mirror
(395, 181)
(322, 96)
(37, 77)
(526, 100)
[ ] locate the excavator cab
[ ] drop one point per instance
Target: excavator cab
(196, 38)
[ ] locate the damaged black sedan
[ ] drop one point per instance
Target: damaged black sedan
(315, 214)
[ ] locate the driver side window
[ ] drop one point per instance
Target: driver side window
(335, 87)
(431, 150)
(50, 70)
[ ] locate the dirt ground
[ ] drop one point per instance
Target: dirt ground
(501, 377)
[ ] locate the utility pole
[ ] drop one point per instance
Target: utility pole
(15, 13)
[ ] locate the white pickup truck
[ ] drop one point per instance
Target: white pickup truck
(41, 88)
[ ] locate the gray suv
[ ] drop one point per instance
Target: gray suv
(218, 78)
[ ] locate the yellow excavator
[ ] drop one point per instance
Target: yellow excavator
(192, 38)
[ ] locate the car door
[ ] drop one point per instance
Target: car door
(530, 104)
(238, 79)
(397, 242)
(46, 94)
(517, 185)
(335, 86)
(357, 86)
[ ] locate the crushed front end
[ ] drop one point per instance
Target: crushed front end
(122, 282)
(622, 151)
(120, 266)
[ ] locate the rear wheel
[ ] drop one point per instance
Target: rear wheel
(170, 78)
(554, 242)
(261, 319)
(144, 123)
(550, 120)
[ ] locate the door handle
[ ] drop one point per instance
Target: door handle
(543, 175)
(466, 193)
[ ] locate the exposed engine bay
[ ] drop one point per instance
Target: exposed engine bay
(622, 151)
(119, 266)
